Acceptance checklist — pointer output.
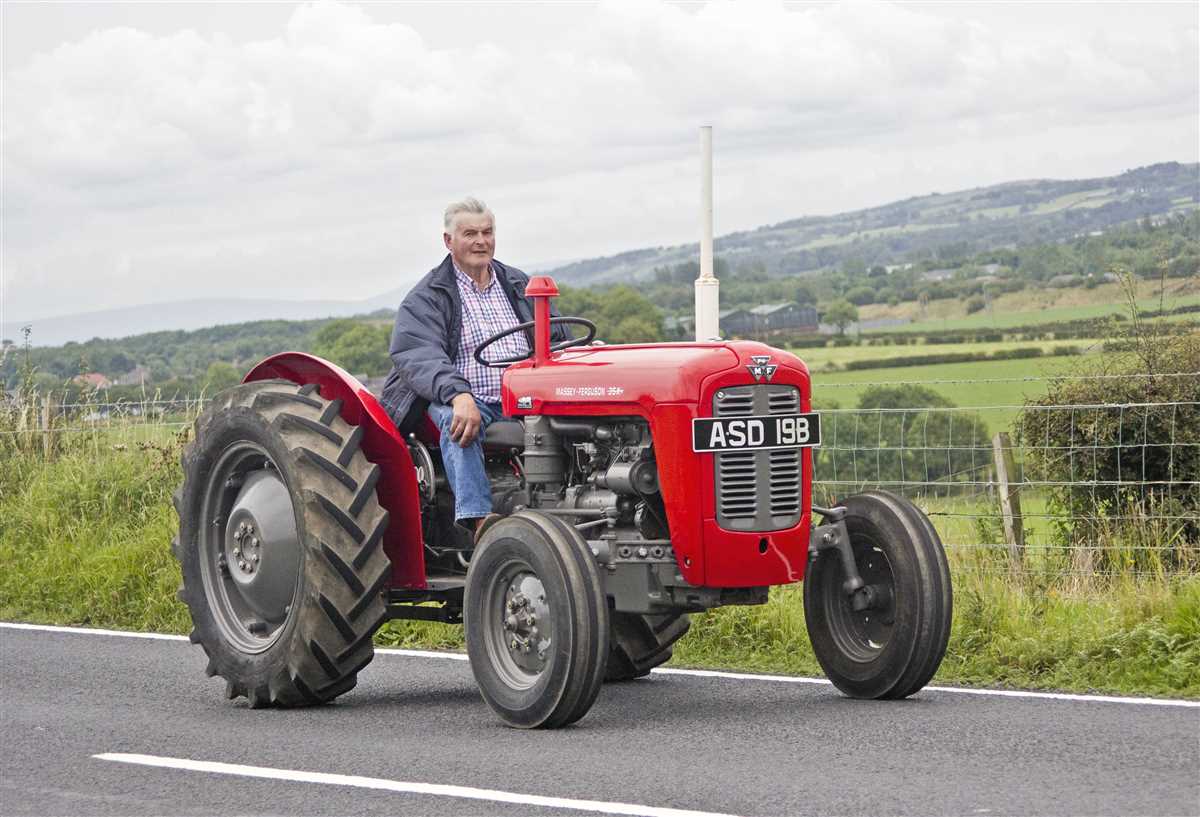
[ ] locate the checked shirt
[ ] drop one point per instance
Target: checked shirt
(485, 313)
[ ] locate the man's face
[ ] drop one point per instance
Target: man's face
(473, 242)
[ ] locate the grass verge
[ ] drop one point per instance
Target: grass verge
(84, 540)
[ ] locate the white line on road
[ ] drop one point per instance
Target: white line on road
(46, 628)
(696, 673)
(401, 786)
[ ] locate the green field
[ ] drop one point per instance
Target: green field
(830, 358)
(843, 389)
(1005, 319)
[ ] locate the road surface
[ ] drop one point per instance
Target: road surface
(96, 724)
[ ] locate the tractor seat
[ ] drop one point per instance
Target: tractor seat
(505, 434)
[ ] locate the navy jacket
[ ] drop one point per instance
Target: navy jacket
(426, 338)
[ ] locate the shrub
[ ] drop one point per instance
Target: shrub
(975, 304)
(1120, 473)
(861, 296)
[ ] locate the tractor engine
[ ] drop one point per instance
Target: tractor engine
(600, 475)
(602, 470)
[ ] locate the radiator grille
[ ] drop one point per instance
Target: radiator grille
(757, 490)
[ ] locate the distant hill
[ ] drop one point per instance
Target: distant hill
(938, 224)
(195, 314)
(187, 316)
(962, 223)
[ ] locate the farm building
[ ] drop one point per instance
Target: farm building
(734, 322)
(790, 316)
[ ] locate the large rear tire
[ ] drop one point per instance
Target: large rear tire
(280, 544)
(536, 621)
(894, 647)
(639, 643)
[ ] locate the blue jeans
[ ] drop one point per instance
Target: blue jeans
(464, 466)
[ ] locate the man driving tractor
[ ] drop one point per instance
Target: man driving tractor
(458, 305)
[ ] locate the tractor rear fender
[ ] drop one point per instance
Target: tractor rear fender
(381, 444)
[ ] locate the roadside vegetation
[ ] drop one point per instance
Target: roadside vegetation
(86, 518)
(84, 541)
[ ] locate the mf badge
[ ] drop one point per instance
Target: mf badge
(762, 368)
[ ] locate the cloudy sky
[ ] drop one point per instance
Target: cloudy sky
(161, 151)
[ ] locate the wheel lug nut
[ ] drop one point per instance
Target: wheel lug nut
(254, 557)
(241, 564)
(237, 551)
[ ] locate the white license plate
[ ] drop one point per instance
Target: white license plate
(756, 433)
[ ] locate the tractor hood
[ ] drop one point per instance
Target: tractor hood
(612, 379)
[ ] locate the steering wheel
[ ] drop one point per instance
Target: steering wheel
(557, 347)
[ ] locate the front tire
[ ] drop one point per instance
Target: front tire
(536, 621)
(893, 648)
(280, 544)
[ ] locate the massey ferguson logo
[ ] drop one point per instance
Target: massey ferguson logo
(761, 368)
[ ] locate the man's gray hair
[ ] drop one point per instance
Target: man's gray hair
(468, 205)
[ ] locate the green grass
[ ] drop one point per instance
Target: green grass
(843, 389)
(1010, 319)
(84, 540)
(831, 240)
(828, 358)
(1083, 198)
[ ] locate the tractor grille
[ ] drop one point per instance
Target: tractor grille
(757, 490)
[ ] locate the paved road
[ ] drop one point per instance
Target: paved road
(671, 741)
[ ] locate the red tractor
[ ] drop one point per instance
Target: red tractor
(638, 484)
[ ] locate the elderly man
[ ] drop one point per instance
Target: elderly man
(462, 302)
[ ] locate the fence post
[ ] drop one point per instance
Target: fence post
(47, 427)
(1010, 497)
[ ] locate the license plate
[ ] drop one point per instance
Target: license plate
(756, 433)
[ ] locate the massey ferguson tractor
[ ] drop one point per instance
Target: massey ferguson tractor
(638, 484)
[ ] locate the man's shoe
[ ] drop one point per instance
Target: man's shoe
(485, 523)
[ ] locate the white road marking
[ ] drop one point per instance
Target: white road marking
(697, 673)
(402, 786)
(47, 628)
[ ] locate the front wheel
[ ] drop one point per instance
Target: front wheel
(536, 621)
(892, 648)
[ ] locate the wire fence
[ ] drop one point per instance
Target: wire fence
(1066, 490)
(1070, 490)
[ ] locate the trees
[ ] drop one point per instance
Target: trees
(359, 348)
(621, 314)
(803, 294)
(841, 314)
(220, 376)
(861, 296)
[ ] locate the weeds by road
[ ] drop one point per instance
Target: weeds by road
(84, 540)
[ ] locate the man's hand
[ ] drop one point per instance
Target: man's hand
(464, 425)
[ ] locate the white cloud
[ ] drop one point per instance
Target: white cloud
(197, 156)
